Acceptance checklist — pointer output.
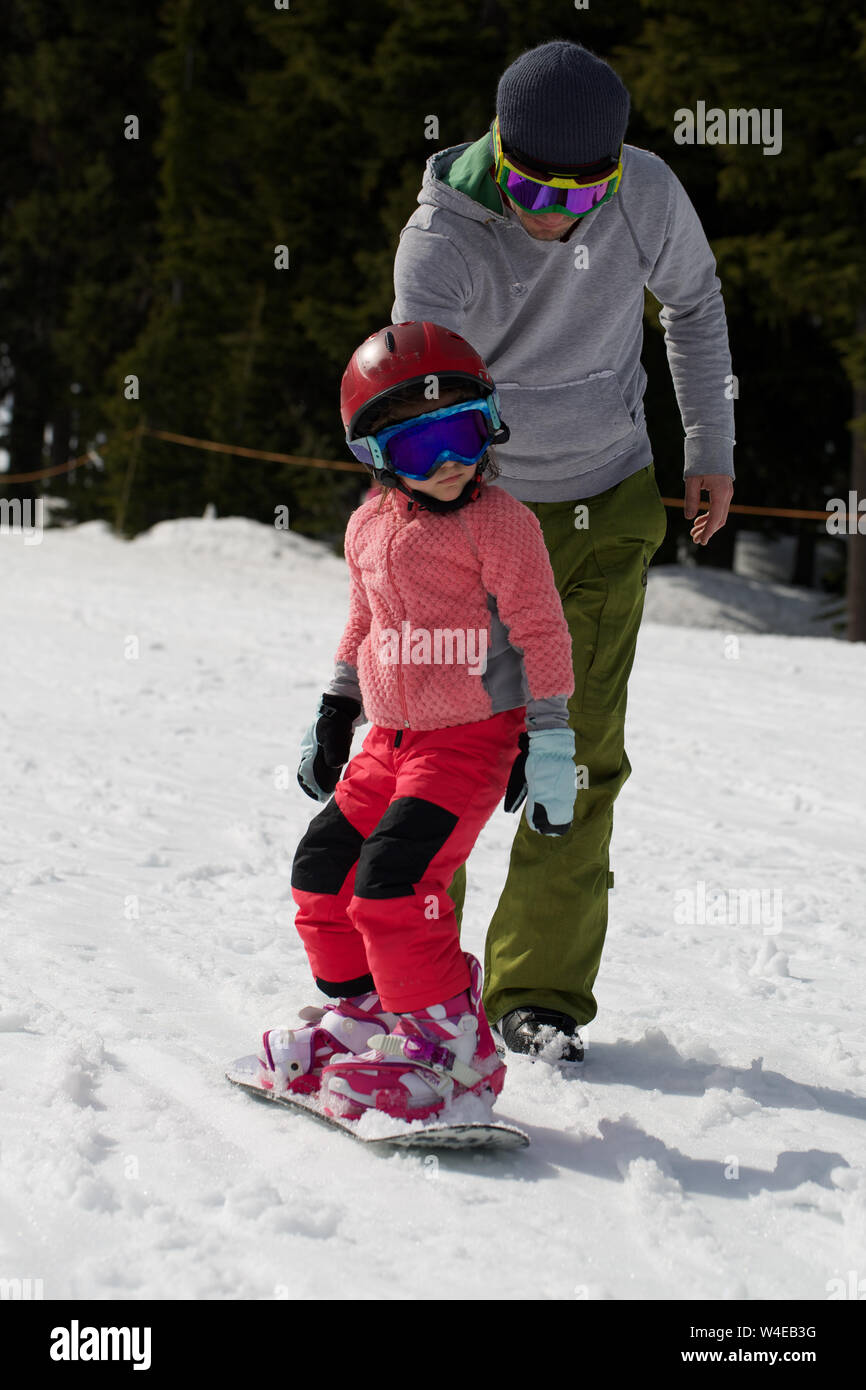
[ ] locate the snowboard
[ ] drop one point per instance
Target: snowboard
(417, 1134)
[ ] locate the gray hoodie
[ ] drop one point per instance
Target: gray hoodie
(560, 325)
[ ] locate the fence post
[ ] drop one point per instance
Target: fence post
(120, 519)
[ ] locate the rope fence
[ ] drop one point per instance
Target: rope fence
(213, 446)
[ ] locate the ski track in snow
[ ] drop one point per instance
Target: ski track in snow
(712, 1146)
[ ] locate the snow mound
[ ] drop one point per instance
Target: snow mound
(689, 596)
(234, 539)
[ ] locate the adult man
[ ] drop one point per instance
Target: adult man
(535, 243)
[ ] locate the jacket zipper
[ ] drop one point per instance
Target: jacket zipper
(399, 664)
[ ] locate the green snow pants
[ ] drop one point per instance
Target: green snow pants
(545, 940)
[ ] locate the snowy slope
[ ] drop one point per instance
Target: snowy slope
(153, 696)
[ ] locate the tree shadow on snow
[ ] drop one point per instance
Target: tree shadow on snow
(622, 1141)
(654, 1064)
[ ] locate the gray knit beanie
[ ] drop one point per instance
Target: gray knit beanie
(560, 104)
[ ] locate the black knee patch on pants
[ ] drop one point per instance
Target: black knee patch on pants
(327, 852)
(398, 853)
(363, 984)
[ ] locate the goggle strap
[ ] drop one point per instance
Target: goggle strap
(558, 180)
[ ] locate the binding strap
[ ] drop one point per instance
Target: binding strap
(424, 1053)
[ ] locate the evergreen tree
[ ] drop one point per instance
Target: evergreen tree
(790, 247)
(75, 225)
(308, 128)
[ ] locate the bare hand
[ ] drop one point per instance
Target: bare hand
(720, 486)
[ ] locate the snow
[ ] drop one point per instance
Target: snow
(712, 1146)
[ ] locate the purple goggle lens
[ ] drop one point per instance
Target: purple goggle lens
(418, 451)
(538, 197)
(416, 448)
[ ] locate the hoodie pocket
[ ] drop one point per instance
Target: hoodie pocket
(560, 431)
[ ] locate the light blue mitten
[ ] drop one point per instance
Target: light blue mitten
(551, 780)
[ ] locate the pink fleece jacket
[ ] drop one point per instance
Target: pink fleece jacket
(420, 616)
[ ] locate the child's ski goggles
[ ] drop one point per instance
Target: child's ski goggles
(557, 193)
(415, 448)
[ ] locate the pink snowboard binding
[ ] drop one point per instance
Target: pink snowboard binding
(432, 1056)
(292, 1059)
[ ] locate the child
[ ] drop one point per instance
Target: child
(440, 565)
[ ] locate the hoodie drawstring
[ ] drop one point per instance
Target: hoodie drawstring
(644, 261)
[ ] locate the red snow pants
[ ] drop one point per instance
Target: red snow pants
(371, 874)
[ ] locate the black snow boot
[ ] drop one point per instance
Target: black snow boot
(541, 1032)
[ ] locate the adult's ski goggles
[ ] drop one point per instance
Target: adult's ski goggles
(556, 193)
(415, 448)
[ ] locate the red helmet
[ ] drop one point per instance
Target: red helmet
(402, 354)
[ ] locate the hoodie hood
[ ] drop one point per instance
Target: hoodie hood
(464, 171)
